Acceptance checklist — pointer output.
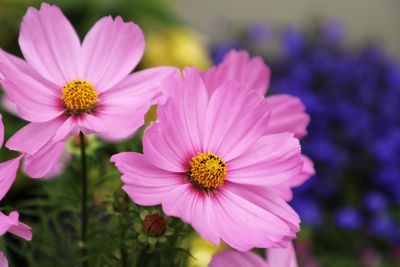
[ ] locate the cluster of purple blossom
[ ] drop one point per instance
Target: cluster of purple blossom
(352, 96)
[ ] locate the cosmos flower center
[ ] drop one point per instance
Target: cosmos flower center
(79, 96)
(207, 170)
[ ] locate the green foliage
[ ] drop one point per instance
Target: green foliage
(53, 211)
(148, 14)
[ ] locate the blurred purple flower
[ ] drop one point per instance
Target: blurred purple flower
(259, 33)
(292, 40)
(383, 226)
(309, 211)
(348, 218)
(387, 148)
(219, 51)
(333, 31)
(375, 202)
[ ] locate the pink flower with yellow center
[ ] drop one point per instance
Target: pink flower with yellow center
(10, 223)
(209, 161)
(65, 87)
(276, 257)
(287, 112)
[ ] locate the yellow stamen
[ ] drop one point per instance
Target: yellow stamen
(207, 170)
(79, 96)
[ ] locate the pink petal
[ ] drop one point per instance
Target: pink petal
(307, 172)
(67, 129)
(273, 160)
(145, 183)
(18, 228)
(170, 86)
(33, 136)
(3, 260)
(168, 141)
(244, 225)
(110, 51)
(238, 66)
(90, 124)
(1, 131)
(43, 162)
(122, 127)
(285, 189)
(193, 207)
(19, 65)
(266, 198)
(192, 102)
(179, 135)
(5, 223)
(8, 105)
(11, 224)
(123, 107)
(288, 115)
(172, 131)
(36, 100)
(282, 257)
(231, 258)
(282, 190)
(8, 172)
(235, 118)
(86, 123)
(164, 153)
(59, 167)
(139, 86)
(50, 44)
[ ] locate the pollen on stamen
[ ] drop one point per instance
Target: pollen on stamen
(79, 96)
(207, 171)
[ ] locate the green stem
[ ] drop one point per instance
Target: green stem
(144, 257)
(84, 206)
(124, 253)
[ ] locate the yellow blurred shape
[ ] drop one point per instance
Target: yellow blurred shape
(150, 116)
(179, 47)
(202, 251)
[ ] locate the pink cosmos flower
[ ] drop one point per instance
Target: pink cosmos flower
(287, 112)
(208, 161)
(276, 257)
(65, 87)
(8, 171)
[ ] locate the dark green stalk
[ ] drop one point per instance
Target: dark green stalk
(144, 257)
(84, 205)
(124, 253)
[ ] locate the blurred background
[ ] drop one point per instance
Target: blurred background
(364, 19)
(340, 57)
